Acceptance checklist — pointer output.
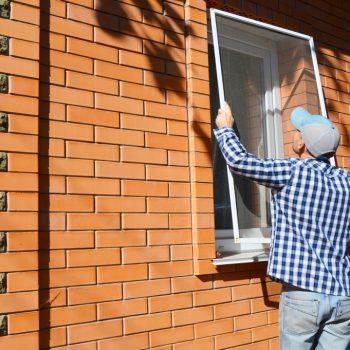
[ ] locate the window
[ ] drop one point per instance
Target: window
(264, 72)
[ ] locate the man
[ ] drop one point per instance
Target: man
(310, 229)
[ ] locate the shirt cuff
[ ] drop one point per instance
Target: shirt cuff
(222, 131)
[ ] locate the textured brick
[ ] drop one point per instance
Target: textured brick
(121, 308)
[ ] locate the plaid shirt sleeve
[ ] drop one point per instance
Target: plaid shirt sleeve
(273, 173)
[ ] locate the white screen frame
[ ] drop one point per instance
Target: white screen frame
(261, 256)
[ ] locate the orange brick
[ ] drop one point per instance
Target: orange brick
(121, 308)
(145, 254)
(53, 259)
(115, 71)
(265, 332)
(92, 50)
(71, 62)
(22, 162)
(65, 166)
(170, 302)
(23, 124)
(15, 342)
(178, 158)
(181, 252)
(22, 281)
(167, 173)
(93, 257)
(147, 322)
(141, 61)
(135, 342)
(72, 277)
(177, 128)
(212, 297)
(69, 240)
(192, 316)
(246, 292)
(20, 221)
(171, 269)
(93, 221)
(53, 221)
(71, 96)
(143, 155)
(120, 238)
(204, 251)
(92, 83)
(19, 30)
(54, 337)
(118, 136)
(191, 283)
(19, 66)
(92, 331)
(179, 143)
(141, 30)
(165, 81)
(24, 49)
(250, 321)
(231, 309)
(260, 304)
(92, 116)
(120, 204)
(162, 237)
(144, 221)
(134, 122)
(51, 147)
(71, 28)
(146, 288)
(142, 92)
(171, 205)
(120, 41)
(197, 85)
(19, 104)
(162, 51)
(231, 279)
(22, 201)
(233, 339)
(200, 344)
(144, 188)
(179, 190)
(120, 170)
(69, 315)
(92, 151)
(161, 110)
(172, 335)
(23, 86)
(211, 328)
(110, 274)
(18, 302)
(202, 190)
(81, 185)
(23, 322)
(118, 104)
(53, 297)
(64, 203)
(181, 221)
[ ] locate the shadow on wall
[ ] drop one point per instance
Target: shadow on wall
(165, 56)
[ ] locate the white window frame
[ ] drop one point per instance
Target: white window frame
(256, 242)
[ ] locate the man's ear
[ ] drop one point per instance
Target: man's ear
(301, 146)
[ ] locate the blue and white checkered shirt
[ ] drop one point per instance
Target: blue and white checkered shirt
(310, 216)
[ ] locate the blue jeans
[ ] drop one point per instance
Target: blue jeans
(310, 320)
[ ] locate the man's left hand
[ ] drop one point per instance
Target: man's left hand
(224, 118)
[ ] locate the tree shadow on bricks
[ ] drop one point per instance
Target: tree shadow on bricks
(153, 31)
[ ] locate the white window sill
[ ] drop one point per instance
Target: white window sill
(241, 257)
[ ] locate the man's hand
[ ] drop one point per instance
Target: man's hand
(224, 118)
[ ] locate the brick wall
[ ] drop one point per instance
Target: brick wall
(108, 214)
